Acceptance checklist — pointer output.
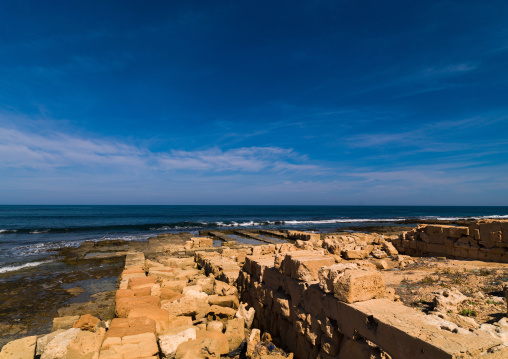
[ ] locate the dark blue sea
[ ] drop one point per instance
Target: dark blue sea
(29, 233)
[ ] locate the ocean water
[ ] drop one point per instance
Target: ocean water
(29, 233)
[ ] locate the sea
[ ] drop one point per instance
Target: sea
(30, 235)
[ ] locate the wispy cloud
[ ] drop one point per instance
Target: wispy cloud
(29, 150)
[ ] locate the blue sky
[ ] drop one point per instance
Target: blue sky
(260, 102)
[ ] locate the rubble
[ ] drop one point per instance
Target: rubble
(322, 296)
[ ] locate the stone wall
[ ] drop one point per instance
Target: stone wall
(318, 309)
(485, 240)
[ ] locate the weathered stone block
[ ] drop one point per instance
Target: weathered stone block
(307, 268)
(170, 341)
(125, 305)
(358, 285)
(64, 322)
(23, 348)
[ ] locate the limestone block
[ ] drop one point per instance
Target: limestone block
(358, 349)
(199, 296)
(230, 301)
(235, 332)
(196, 288)
(169, 342)
(180, 321)
(132, 346)
(456, 232)
(379, 254)
(281, 305)
(127, 293)
(57, 348)
(178, 262)
(390, 249)
(23, 348)
(246, 315)
(44, 340)
(162, 273)
(223, 314)
(167, 294)
(87, 322)
(222, 288)
(132, 273)
(64, 322)
(447, 299)
(125, 305)
(187, 274)
(358, 285)
(86, 345)
(354, 254)
(306, 268)
(328, 275)
(184, 306)
(141, 282)
(159, 315)
(174, 285)
(219, 341)
(121, 327)
(215, 326)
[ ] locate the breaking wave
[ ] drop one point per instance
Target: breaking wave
(13, 268)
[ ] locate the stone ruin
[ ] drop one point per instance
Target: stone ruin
(314, 298)
(485, 240)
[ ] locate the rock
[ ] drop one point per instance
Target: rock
(64, 322)
(57, 347)
(254, 339)
(131, 346)
(219, 342)
(196, 288)
(128, 293)
(86, 345)
(44, 340)
(141, 282)
(169, 342)
(184, 306)
(382, 265)
(230, 301)
(125, 305)
(174, 285)
(167, 294)
(202, 348)
(215, 326)
(448, 299)
(379, 254)
(159, 315)
(389, 248)
(222, 288)
(180, 321)
(220, 313)
(235, 332)
(23, 348)
(356, 285)
(329, 275)
(306, 267)
(354, 254)
(87, 322)
(199, 296)
(121, 327)
(246, 315)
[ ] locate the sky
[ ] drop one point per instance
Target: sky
(254, 102)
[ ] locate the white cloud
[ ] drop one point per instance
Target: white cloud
(29, 150)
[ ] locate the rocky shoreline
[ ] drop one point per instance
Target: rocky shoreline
(264, 294)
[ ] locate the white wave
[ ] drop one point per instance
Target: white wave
(125, 238)
(18, 267)
(39, 231)
(345, 220)
(493, 216)
(8, 231)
